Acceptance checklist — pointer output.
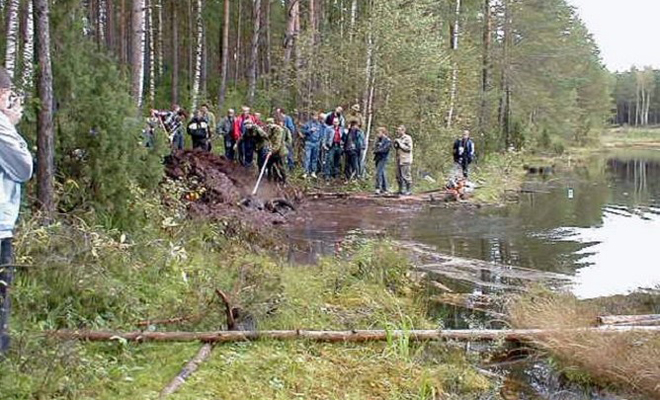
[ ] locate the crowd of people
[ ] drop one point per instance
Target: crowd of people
(331, 145)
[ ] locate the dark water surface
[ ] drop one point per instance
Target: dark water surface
(598, 221)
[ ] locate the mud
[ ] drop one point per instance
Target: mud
(219, 189)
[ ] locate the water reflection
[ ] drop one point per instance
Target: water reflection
(597, 221)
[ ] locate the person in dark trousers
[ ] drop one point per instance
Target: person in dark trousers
(464, 152)
(226, 129)
(381, 154)
(247, 147)
(15, 169)
(353, 145)
(333, 142)
(198, 129)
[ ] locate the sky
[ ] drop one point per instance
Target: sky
(627, 32)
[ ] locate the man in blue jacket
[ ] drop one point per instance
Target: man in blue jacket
(353, 145)
(15, 168)
(464, 152)
(314, 133)
(381, 154)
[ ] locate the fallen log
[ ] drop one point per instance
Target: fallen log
(190, 368)
(629, 319)
(355, 336)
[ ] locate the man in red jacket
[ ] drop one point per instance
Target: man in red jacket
(246, 148)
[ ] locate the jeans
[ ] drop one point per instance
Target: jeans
(381, 178)
(177, 141)
(311, 158)
(247, 149)
(332, 162)
(352, 164)
(6, 277)
(290, 162)
(229, 148)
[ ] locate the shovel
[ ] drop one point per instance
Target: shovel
(261, 175)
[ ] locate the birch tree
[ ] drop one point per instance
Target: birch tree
(199, 48)
(12, 37)
(45, 132)
(159, 55)
(254, 50)
(138, 50)
(485, 66)
(225, 57)
(28, 49)
(454, 73)
(152, 54)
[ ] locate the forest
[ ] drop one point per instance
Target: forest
(518, 73)
(116, 236)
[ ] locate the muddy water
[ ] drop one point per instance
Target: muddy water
(598, 221)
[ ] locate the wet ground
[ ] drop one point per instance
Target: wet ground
(597, 220)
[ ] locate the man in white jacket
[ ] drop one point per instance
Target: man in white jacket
(15, 169)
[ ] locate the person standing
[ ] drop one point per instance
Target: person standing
(355, 115)
(15, 169)
(404, 159)
(277, 149)
(464, 152)
(381, 154)
(353, 145)
(198, 129)
(288, 123)
(246, 147)
(209, 117)
(333, 143)
(338, 113)
(226, 130)
(313, 133)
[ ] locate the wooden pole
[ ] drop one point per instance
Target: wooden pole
(190, 368)
(355, 336)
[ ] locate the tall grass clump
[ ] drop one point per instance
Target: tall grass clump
(630, 361)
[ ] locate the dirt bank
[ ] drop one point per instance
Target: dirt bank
(218, 189)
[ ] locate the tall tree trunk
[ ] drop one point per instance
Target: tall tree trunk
(102, 21)
(293, 10)
(137, 50)
(152, 55)
(28, 50)
(454, 73)
(205, 59)
(123, 32)
(254, 51)
(199, 48)
(484, 112)
(110, 25)
(505, 95)
(238, 49)
(268, 61)
(191, 47)
(354, 11)
(225, 57)
(11, 54)
(159, 34)
(45, 132)
(175, 55)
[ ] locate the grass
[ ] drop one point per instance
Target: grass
(86, 277)
(629, 362)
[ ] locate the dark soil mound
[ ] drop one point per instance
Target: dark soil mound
(219, 189)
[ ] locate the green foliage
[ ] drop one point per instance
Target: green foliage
(100, 154)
